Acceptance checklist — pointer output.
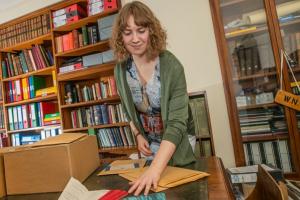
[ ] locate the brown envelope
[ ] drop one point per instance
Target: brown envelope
(123, 166)
(171, 177)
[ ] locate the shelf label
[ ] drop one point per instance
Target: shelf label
(288, 99)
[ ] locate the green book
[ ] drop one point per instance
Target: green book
(52, 115)
(4, 69)
(23, 62)
(85, 35)
(91, 131)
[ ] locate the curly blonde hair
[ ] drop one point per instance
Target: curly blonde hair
(144, 17)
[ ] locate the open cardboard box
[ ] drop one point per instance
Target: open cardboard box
(2, 176)
(47, 165)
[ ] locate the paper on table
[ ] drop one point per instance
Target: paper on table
(75, 190)
(171, 177)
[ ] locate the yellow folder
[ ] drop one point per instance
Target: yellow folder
(171, 177)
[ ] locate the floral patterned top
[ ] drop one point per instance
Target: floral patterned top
(146, 99)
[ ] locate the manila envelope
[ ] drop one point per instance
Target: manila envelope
(123, 166)
(171, 177)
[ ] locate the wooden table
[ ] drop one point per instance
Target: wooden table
(213, 187)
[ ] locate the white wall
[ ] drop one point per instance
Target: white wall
(191, 39)
(16, 8)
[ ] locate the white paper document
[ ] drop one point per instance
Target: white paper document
(75, 190)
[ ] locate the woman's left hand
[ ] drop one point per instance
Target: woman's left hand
(146, 180)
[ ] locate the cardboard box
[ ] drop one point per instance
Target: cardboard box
(47, 165)
(2, 175)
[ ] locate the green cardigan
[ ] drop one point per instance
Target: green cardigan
(177, 120)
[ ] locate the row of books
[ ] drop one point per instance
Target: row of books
(200, 116)
(254, 99)
(115, 137)
(75, 93)
(27, 60)
(25, 30)
(292, 46)
(32, 115)
(2, 120)
(3, 140)
(23, 89)
(76, 39)
(97, 115)
(274, 153)
(86, 61)
(206, 148)
(85, 35)
(251, 55)
(18, 139)
(259, 121)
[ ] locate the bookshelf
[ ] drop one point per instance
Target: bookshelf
(204, 137)
(262, 130)
(37, 38)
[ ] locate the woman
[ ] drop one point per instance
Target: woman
(152, 87)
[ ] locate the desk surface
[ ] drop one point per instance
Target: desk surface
(213, 187)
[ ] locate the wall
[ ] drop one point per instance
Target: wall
(191, 39)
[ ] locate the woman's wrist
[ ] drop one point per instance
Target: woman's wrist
(137, 134)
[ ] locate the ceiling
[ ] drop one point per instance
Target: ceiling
(7, 4)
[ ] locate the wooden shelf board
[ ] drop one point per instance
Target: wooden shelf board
(2, 129)
(28, 43)
(64, 4)
(38, 99)
(259, 29)
(84, 21)
(264, 137)
(230, 3)
(296, 21)
(97, 47)
(88, 103)
(1, 101)
(96, 127)
(257, 106)
(34, 129)
(118, 149)
(255, 76)
(45, 71)
(86, 73)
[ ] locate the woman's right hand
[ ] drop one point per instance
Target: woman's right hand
(143, 145)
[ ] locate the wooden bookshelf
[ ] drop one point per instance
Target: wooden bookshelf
(40, 72)
(87, 73)
(230, 3)
(84, 21)
(86, 77)
(265, 43)
(89, 103)
(37, 99)
(96, 127)
(254, 76)
(28, 43)
(98, 47)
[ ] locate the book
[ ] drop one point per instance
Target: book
(248, 174)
